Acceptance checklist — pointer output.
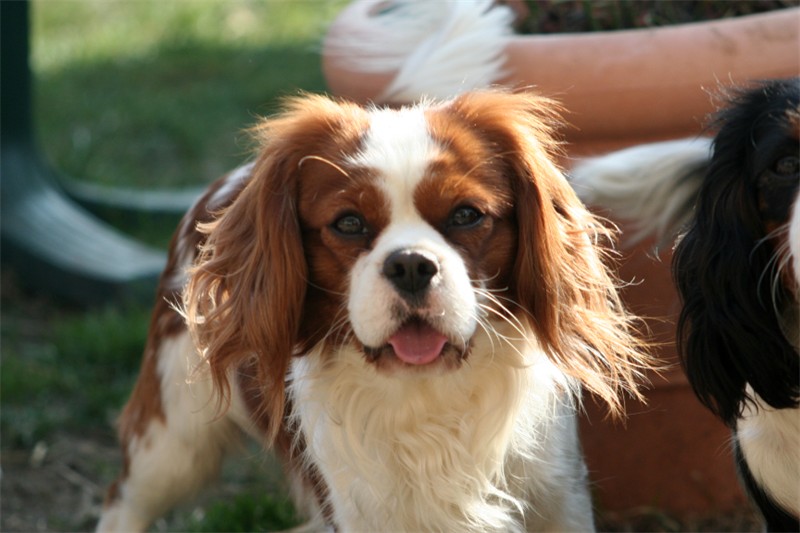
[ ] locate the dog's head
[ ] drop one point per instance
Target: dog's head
(738, 266)
(406, 234)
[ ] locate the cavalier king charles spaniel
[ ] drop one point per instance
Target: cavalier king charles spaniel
(737, 270)
(404, 304)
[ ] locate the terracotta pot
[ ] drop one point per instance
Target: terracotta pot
(618, 89)
(631, 86)
(671, 454)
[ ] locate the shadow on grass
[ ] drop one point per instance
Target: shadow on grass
(174, 118)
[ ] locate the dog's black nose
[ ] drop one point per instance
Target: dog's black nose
(410, 271)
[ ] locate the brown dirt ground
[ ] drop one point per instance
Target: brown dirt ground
(59, 486)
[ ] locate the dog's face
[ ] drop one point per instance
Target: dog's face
(405, 234)
(413, 229)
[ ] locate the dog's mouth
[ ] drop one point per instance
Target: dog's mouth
(415, 343)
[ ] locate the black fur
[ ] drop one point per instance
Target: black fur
(728, 331)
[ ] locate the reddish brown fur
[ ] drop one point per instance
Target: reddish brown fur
(270, 279)
(247, 293)
(470, 171)
(145, 405)
(249, 288)
(326, 194)
(558, 278)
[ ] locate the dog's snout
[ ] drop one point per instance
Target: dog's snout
(410, 271)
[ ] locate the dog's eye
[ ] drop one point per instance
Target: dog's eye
(464, 217)
(350, 225)
(787, 166)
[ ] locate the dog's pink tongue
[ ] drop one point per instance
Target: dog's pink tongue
(417, 343)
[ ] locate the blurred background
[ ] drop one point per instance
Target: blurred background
(145, 95)
(155, 95)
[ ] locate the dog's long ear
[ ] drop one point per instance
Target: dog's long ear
(560, 275)
(245, 295)
(729, 332)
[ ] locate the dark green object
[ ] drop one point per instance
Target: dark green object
(54, 245)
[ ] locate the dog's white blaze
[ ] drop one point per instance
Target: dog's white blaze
(400, 150)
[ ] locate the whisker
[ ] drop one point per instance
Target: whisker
(501, 311)
(495, 306)
(481, 282)
(782, 259)
(777, 263)
(485, 162)
(322, 160)
(338, 325)
(492, 333)
(498, 301)
(323, 289)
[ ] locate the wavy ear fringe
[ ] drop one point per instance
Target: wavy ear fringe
(564, 281)
(245, 293)
(245, 296)
(561, 277)
(729, 332)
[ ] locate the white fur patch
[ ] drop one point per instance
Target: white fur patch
(492, 446)
(770, 442)
(399, 147)
(172, 461)
(652, 186)
(437, 49)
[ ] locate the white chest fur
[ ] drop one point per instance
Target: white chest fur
(490, 446)
(770, 442)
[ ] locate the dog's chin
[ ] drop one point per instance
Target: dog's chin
(416, 348)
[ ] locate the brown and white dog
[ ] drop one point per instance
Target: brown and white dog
(405, 305)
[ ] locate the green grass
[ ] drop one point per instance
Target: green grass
(71, 374)
(157, 94)
(247, 512)
(144, 94)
